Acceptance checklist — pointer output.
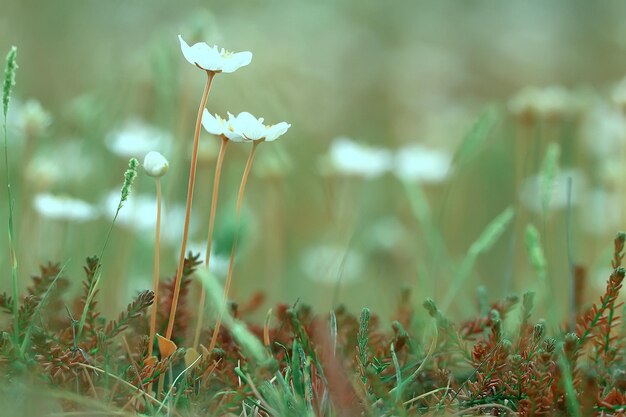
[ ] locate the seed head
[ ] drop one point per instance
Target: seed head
(9, 78)
(129, 177)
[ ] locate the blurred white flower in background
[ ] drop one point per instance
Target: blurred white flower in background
(610, 172)
(386, 234)
(219, 261)
(213, 59)
(61, 207)
(136, 139)
(532, 189)
(139, 214)
(421, 164)
(602, 212)
(548, 103)
(33, 119)
(348, 157)
(49, 167)
(328, 264)
(603, 130)
(43, 172)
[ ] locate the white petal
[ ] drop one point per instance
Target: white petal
(276, 131)
(200, 54)
(235, 61)
(188, 53)
(211, 124)
(248, 126)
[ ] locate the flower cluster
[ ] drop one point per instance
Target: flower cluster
(413, 163)
(241, 128)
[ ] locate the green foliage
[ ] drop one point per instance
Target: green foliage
(476, 137)
(485, 241)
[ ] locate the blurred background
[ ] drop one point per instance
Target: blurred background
(414, 124)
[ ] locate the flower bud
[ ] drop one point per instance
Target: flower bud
(155, 164)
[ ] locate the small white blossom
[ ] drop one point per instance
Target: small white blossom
(136, 139)
(213, 59)
(155, 164)
(351, 158)
(421, 164)
(59, 207)
(253, 129)
(218, 126)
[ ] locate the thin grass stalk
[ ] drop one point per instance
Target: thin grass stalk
(9, 81)
(129, 177)
(192, 181)
(156, 274)
(216, 185)
(231, 262)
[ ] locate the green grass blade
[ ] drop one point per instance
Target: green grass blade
(476, 137)
(9, 81)
(485, 241)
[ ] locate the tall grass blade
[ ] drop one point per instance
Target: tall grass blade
(485, 241)
(10, 70)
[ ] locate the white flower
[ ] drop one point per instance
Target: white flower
(139, 214)
(351, 158)
(212, 59)
(551, 102)
(33, 119)
(532, 189)
(602, 212)
(136, 139)
(155, 164)
(422, 164)
(330, 264)
(60, 207)
(218, 126)
(253, 129)
(604, 131)
(43, 172)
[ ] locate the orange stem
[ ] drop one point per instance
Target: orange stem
(216, 186)
(231, 262)
(156, 275)
(156, 269)
(192, 181)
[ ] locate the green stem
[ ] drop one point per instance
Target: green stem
(16, 330)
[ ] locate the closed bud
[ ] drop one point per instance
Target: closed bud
(155, 164)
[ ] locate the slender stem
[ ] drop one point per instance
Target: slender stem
(231, 262)
(192, 181)
(216, 185)
(12, 245)
(156, 273)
